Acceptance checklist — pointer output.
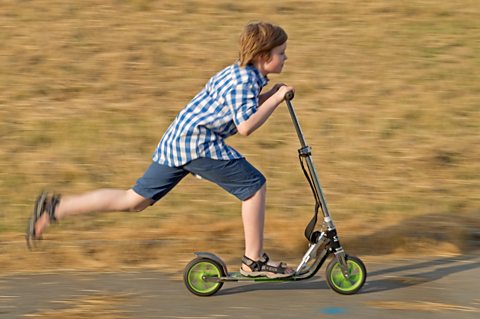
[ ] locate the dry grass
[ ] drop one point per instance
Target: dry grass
(388, 98)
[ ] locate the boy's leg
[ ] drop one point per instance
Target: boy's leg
(244, 181)
(101, 200)
(253, 216)
(156, 182)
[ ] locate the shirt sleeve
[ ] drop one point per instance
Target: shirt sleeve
(243, 102)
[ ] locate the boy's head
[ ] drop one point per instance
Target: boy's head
(258, 40)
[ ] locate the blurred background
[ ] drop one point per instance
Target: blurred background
(388, 97)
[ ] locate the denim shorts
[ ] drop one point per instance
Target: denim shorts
(238, 177)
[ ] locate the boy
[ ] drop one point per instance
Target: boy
(194, 143)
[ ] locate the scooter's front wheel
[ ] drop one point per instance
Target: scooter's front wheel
(357, 274)
(197, 274)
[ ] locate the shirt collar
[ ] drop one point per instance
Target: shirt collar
(262, 79)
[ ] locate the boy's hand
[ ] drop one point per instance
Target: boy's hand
(282, 89)
(268, 103)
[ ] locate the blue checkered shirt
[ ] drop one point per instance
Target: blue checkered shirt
(199, 130)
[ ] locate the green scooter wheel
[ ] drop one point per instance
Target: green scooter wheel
(357, 274)
(196, 273)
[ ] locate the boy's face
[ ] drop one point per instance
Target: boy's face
(274, 64)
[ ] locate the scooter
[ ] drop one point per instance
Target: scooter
(345, 274)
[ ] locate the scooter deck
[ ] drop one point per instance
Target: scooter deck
(237, 276)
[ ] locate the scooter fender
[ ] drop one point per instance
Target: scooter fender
(214, 258)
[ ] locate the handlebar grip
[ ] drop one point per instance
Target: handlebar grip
(289, 95)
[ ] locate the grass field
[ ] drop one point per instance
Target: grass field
(388, 96)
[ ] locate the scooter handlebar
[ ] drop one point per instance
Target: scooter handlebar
(289, 95)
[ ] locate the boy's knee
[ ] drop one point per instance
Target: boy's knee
(138, 207)
(136, 203)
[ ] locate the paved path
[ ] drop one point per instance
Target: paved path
(443, 287)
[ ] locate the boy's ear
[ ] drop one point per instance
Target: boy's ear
(264, 57)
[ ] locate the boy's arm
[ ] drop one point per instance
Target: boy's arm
(265, 96)
(264, 110)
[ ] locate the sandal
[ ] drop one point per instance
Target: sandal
(43, 204)
(261, 268)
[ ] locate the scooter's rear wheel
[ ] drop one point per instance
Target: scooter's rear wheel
(196, 274)
(357, 274)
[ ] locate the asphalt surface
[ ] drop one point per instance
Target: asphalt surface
(441, 287)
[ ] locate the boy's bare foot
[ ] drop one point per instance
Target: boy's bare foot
(40, 225)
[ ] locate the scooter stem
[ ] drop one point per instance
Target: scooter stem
(305, 151)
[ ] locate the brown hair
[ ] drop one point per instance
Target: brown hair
(259, 38)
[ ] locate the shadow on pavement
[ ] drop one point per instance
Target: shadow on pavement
(311, 284)
(380, 280)
(419, 273)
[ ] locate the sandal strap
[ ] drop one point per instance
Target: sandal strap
(256, 265)
(280, 269)
(262, 265)
(50, 207)
(40, 205)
